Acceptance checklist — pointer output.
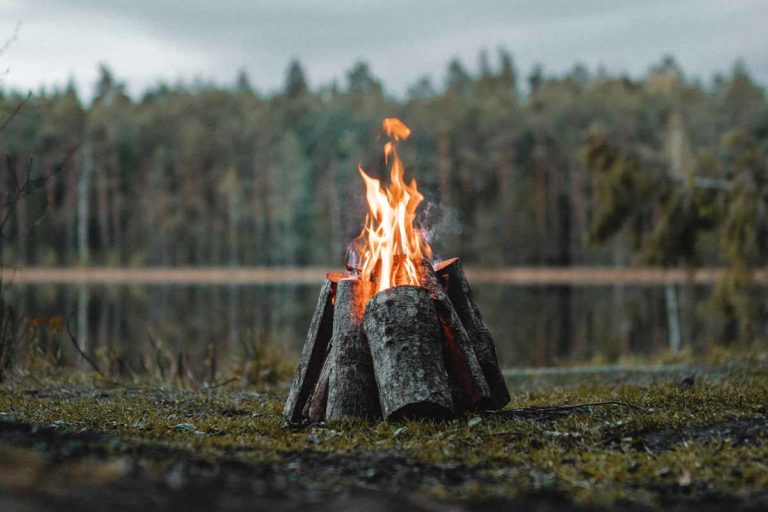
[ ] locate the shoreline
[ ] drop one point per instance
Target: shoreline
(545, 276)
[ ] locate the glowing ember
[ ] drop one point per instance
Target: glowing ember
(390, 245)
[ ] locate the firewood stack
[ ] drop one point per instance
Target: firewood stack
(407, 352)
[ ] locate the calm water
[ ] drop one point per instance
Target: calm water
(532, 325)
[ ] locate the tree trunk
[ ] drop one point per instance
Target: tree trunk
(352, 386)
(402, 327)
(460, 294)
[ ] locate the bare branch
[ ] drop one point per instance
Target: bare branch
(14, 36)
(15, 112)
(26, 188)
(158, 354)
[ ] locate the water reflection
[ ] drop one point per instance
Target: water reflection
(533, 325)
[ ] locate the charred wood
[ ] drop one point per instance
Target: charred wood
(460, 294)
(314, 353)
(468, 385)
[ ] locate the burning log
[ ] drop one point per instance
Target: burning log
(352, 385)
(452, 275)
(402, 327)
(468, 385)
(315, 349)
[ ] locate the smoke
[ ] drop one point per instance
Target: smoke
(438, 223)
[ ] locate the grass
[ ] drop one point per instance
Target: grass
(701, 439)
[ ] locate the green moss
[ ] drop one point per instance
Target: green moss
(710, 436)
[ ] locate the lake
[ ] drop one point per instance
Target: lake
(533, 325)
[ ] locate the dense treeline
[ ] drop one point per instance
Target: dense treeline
(209, 175)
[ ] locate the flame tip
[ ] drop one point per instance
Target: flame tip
(392, 244)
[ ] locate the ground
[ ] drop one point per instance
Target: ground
(686, 439)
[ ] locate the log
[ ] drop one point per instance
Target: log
(468, 385)
(453, 278)
(402, 328)
(315, 349)
(314, 409)
(352, 388)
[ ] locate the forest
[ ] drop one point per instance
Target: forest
(516, 170)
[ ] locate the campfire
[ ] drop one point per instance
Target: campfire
(397, 336)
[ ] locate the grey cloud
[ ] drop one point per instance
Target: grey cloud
(404, 39)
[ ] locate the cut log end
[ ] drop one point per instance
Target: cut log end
(420, 410)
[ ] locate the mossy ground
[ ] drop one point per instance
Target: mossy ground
(684, 442)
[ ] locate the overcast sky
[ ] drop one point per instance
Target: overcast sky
(146, 41)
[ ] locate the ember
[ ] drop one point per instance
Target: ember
(398, 337)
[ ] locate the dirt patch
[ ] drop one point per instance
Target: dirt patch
(121, 475)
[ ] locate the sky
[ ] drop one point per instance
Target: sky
(148, 41)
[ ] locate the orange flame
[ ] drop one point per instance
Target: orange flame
(390, 245)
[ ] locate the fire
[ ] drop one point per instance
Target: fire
(391, 246)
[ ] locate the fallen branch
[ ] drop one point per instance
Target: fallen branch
(544, 411)
(221, 384)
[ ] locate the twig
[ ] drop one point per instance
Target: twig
(158, 355)
(557, 409)
(15, 112)
(73, 339)
(26, 188)
(223, 383)
(7, 44)
(7, 335)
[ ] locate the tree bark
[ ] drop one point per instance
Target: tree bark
(468, 385)
(314, 353)
(352, 386)
(460, 294)
(314, 409)
(402, 327)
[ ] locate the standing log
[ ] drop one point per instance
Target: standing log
(352, 386)
(468, 385)
(460, 294)
(314, 352)
(402, 328)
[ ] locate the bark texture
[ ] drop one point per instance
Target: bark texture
(314, 409)
(352, 388)
(403, 330)
(314, 352)
(468, 385)
(460, 294)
